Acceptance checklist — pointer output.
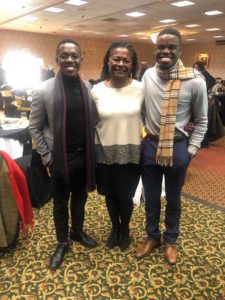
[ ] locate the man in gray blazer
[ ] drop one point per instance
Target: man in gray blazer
(61, 126)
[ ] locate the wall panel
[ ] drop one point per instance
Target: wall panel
(43, 45)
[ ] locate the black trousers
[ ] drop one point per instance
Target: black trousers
(74, 190)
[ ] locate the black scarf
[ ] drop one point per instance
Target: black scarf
(60, 168)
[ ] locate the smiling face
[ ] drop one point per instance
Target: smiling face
(69, 59)
(120, 63)
(168, 50)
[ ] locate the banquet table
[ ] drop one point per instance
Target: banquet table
(12, 135)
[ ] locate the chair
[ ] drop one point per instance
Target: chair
(22, 105)
(15, 206)
(7, 97)
(9, 214)
(8, 106)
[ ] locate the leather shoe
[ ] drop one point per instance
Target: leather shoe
(83, 238)
(147, 248)
(171, 253)
(58, 255)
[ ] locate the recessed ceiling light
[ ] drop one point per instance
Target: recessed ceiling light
(67, 29)
(30, 18)
(135, 14)
(189, 40)
(167, 21)
(54, 9)
(139, 33)
(13, 4)
(123, 35)
(144, 38)
(76, 2)
(213, 12)
(218, 36)
(212, 29)
(182, 3)
(192, 25)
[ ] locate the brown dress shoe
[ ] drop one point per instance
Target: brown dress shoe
(147, 248)
(171, 253)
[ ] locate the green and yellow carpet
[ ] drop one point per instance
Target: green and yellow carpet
(104, 274)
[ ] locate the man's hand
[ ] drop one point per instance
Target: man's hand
(189, 127)
(192, 150)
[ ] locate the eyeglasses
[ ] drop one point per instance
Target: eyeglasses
(65, 56)
(163, 47)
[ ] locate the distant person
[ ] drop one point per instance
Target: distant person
(218, 87)
(50, 73)
(61, 127)
(118, 99)
(172, 94)
(2, 76)
(210, 80)
(47, 73)
(144, 67)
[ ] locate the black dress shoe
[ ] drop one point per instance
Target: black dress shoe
(57, 257)
(83, 238)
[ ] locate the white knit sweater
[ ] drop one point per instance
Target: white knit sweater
(118, 131)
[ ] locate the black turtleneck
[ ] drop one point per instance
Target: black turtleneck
(74, 119)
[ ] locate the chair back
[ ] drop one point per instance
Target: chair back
(7, 98)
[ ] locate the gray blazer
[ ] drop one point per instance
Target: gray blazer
(41, 120)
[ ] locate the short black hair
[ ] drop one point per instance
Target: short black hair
(120, 44)
(171, 31)
(64, 41)
(200, 65)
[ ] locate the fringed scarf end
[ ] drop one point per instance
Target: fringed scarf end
(164, 161)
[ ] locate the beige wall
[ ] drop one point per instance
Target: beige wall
(216, 57)
(42, 45)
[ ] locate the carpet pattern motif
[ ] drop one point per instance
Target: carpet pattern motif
(105, 274)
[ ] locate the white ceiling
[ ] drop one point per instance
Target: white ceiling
(107, 18)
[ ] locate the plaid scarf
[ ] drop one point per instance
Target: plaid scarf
(164, 155)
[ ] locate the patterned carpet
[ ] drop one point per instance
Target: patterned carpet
(206, 185)
(204, 182)
(104, 274)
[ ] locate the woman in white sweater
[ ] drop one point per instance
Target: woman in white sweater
(118, 99)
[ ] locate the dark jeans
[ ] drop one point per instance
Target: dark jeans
(152, 175)
(62, 190)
